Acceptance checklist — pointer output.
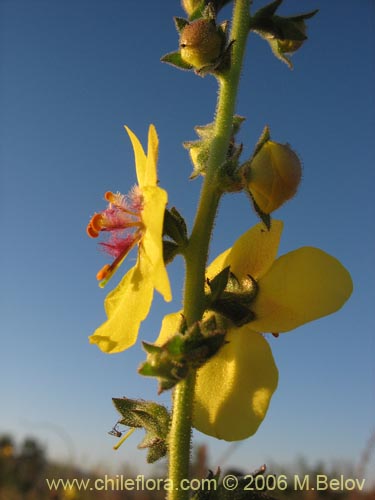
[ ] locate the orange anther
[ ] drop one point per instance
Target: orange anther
(109, 196)
(103, 272)
(96, 222)
(91, 231)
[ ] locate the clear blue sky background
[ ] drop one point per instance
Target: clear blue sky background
(72, 73)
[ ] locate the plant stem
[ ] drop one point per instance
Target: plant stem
(197, 251)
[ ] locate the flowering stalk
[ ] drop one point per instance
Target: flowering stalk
(197, 251)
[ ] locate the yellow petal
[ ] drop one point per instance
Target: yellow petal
(235, 387)
(152, 157)
(126, 307)
(169, 327)
(253, 253)
(155, 200)
(301, 286)
(139, 156)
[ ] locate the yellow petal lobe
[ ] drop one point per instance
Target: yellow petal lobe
(252, 254)
(301, 286)
(126, 307)
(152, 157)
(155, 200)
(139, 156)
(169, 327)
(234, 388)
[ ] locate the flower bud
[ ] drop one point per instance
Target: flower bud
(190, 6)
(273, 176)
(201, 43)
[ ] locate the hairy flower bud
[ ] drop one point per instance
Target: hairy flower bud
(273, 176)
(201, 43)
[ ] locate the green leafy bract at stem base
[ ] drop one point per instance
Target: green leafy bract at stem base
(152, 417)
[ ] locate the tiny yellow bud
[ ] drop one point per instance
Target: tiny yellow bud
(201, 43)
(273, 176)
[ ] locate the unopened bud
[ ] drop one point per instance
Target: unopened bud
(273, 176)
(190, 6)
(201, 43)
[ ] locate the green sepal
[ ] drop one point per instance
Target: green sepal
(218, 4)
(277, 52)
(237, 122)
(268, 10)
(232, 300)
(233, 310)
(265, 218)
(153, 417)
(245, 173)
(303, 17)
(228, 174)
(224, 27)
(269, 25)
(205, 131)
(218, 283)
(173, 361)
(170, 250)
(174, 58)
(180, 23)
(222, 65)
(279, 31)
(265, 136)
(175, 227)
(209, 12)
(287, 29)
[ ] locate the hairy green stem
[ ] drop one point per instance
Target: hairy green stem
(197, 251)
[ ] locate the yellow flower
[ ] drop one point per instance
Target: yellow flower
(234, 387)
(129, 303)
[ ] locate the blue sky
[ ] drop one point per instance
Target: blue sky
(71, 75)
